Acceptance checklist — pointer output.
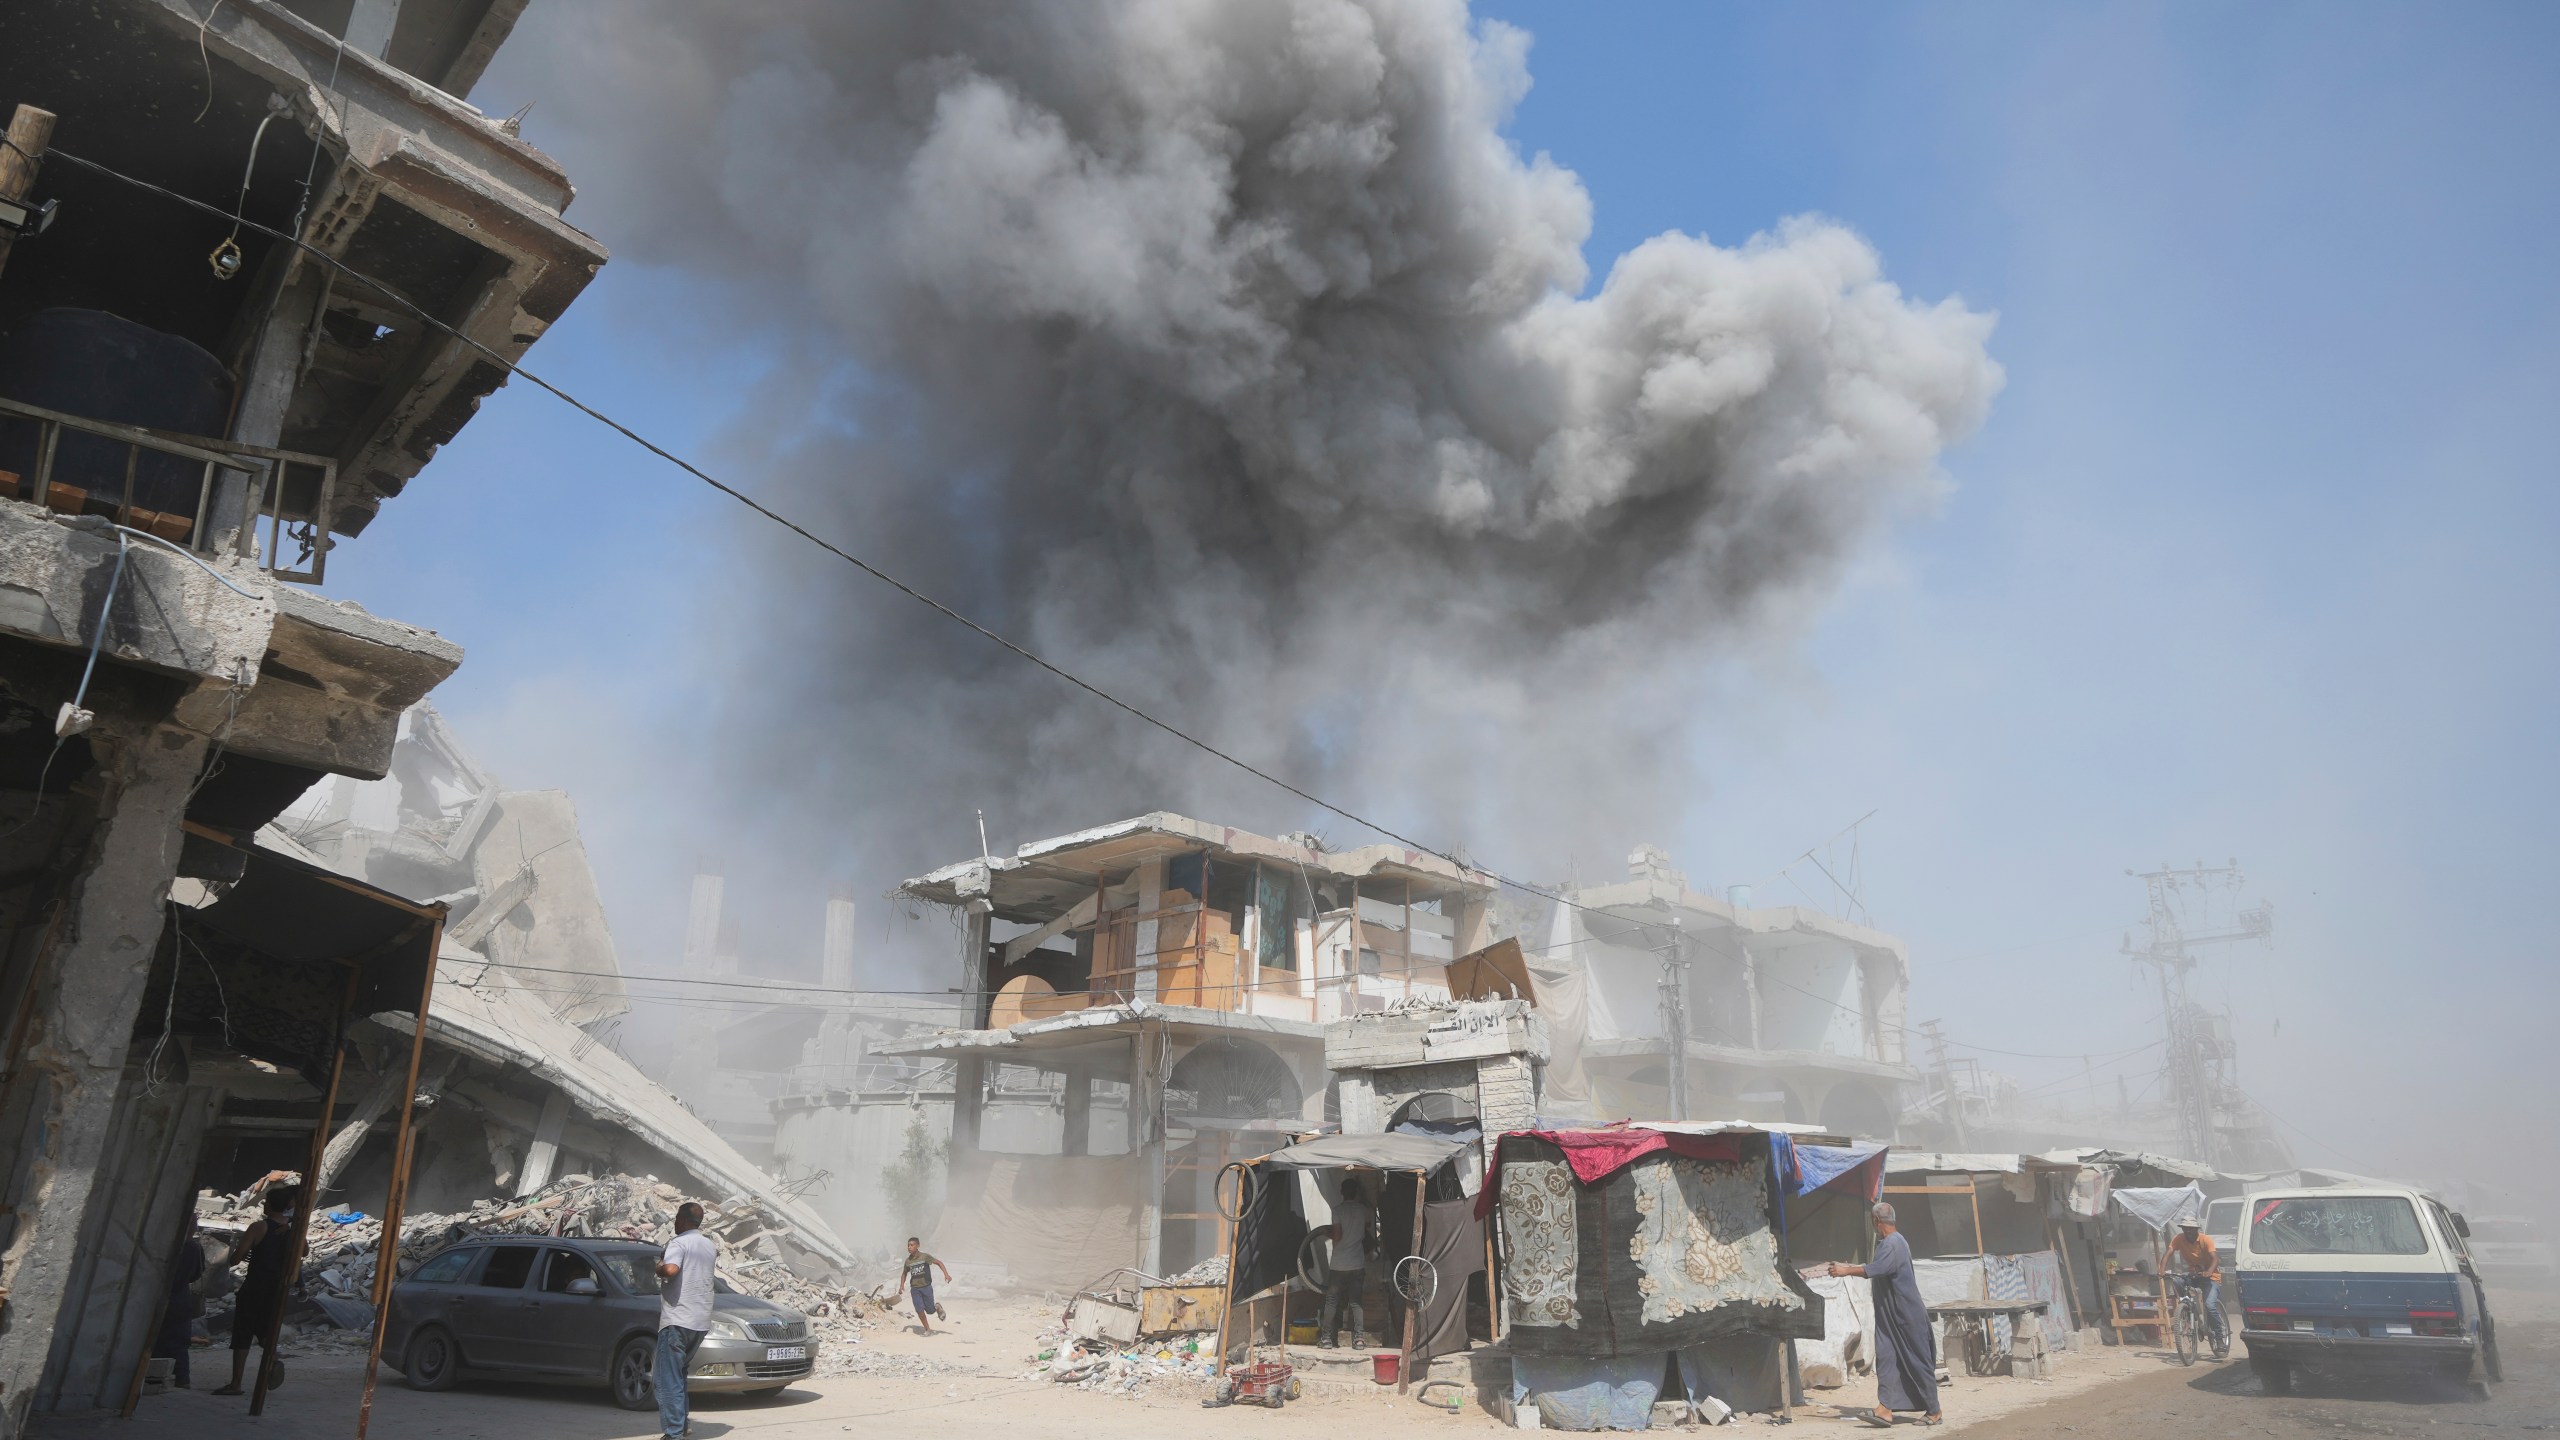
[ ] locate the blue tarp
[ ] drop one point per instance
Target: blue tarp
(1589, 1392)
(1817, 1167)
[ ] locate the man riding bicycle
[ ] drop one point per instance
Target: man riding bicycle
(2194, 1252)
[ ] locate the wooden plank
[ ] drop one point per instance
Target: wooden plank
(1170, 1309)
(1080, 916)
(1497, 971)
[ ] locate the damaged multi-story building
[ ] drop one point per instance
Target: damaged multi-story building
(1160, 988)
(192, 416)
(1789, 1014)
(523, 1069)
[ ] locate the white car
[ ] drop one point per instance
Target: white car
(2513, 1249)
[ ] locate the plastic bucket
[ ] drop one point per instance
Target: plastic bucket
(1382, 1366)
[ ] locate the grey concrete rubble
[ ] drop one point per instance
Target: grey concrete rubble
(332, 1309)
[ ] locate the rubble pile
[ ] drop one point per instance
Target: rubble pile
(332, 1308)
(1100, 1365)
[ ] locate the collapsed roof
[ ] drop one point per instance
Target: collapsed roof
(1045, 879)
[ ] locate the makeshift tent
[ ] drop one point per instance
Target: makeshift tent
(1627, 1247)
(1427, 1216)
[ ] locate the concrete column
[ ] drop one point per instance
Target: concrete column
(1077, 1138)
(969, 1072)
(1473, 924)
(1150, 900)
(369, 26)
(544, 1152)
(838, 1045)
(79, 1026)
(1146, 1121)
(145, 1187)
(271, 374)
(837, 958)
(702, 926)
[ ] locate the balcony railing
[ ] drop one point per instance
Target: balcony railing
(163, 483)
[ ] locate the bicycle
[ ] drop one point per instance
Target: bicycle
(2188, 1325)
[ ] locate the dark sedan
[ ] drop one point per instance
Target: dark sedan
(540, 1308)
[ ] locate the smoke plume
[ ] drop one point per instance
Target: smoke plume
(1232, 356)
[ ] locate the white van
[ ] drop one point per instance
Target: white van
(2359, 1278)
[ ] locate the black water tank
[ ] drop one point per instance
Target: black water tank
(104, 367)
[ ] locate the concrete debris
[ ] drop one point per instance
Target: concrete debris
(333, 1310)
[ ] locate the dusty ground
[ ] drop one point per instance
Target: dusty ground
(966, 1381)
(2218, 1400)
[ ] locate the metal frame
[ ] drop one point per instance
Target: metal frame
(266, 468)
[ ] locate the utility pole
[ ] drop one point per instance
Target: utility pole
(2199, 1059)
(1675, 1021)
(1947, 1082)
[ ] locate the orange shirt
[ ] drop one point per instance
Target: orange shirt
(2199, 1257)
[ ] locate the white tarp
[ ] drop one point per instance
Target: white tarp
(2160, 1207)
(1841, 1353)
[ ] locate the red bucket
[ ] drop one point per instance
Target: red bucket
(1382, 1366)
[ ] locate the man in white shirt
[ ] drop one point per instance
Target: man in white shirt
(684, 1315)
(1346, 1266)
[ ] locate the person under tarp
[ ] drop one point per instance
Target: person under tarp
(1271, 1229)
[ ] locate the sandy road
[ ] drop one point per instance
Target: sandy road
(2218, 1400)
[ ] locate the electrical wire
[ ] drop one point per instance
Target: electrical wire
(930, 602)
(1004, 642)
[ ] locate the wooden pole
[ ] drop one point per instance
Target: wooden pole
(30, 133)
(386, 1261)
(1412, 1307)
(303, 1217)
(1227, 1302)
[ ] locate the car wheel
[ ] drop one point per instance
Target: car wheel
(630, 1379)
(431, 1362)
(2274, 1376)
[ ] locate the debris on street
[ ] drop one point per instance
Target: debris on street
(333, 1311)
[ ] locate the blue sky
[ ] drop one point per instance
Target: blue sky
(2251, 560)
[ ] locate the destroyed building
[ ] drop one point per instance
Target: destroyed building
(192, 415)
(1164, 991)
(790, 1072)
(1790, 1014)
(525, 1078)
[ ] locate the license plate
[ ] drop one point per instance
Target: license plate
(786, 1352)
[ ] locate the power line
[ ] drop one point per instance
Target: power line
(796, 528)
(947, 611)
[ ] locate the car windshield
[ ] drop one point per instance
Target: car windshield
(637, 1270)
(2337, 1225)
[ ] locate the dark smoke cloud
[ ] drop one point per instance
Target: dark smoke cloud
(1229, 354)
